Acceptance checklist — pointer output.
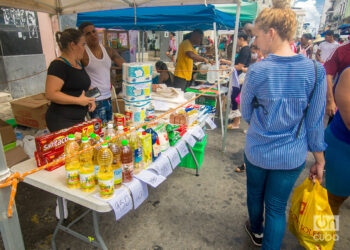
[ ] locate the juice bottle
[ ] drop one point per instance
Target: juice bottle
(136, 148)
(156, 149)
(105, 173)
(121, 138)
(116, 163)
(126, 157)
(95, 139)
(72, 162)
(110, 130)
(146, 141)
(86, 171)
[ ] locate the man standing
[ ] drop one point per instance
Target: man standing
(305, 47)
(185, 57)
(327, 47)
(97, 61)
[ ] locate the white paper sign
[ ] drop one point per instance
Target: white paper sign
(150, 178)
(189, 139)
(138, 191)
(210, 122)
(163, 166)
(173, 156)
(181, 147)
(198, 133)
(121, 202)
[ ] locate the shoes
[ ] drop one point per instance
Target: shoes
(240, 169)
(234, 113)
(256, 238)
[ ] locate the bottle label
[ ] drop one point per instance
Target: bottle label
(118, 175)
(87, 180)
(72, 177)
(96, 167)
(106, 186)
(127, 167)
(138, 155)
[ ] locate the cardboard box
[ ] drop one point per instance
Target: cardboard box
(15, 156)
(30, 111)
(7, 133)
(121, 105)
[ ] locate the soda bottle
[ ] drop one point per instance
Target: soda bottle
(156, 149)
(136, 148)
(126, 157)
(86, 171)
(116, 163)
(110, 130)
(121, 138)
(105, 173)
(72, 162)
(95, 139)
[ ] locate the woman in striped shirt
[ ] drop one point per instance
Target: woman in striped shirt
(274, 98)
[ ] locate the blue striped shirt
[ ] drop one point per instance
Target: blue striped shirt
(283, 86)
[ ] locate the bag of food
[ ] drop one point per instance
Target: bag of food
(310, 218)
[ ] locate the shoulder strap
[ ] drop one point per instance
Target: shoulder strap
(310, 98)
(65, 60)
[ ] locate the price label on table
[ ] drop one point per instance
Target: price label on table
(198, 133)
(163, 166)
(173, 156)
(121, 202)
(138, 191)
(150, 178)
(181, 147)
(211, 123)
(189, 139)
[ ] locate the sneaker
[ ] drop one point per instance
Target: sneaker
(256, 238)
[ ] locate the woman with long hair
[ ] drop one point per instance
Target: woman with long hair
(283, 100)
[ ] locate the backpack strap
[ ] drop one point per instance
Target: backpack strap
(310, 98)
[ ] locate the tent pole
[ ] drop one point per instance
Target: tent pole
(143, 43)
(228, 101)
(217, 75)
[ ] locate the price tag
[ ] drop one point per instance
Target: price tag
(198, 133)
(210, 122)
(150, 178)
(181, 147)
(163, 166)
(121, 202)
(189, 139)
(138, 191)
(173, 156)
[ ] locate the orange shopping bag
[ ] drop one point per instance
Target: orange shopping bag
(310, 217)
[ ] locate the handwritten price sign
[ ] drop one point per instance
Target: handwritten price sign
(150, 178)
(198, 133)
(121, 202)
(163, 167)
(189, 139)
(138, 191)
(173, 156)
(210, 122)
(181, 147)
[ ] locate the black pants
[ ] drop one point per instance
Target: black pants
(57, 122)
(181, 83)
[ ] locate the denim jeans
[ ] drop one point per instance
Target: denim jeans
(103, 111)
(273, 188)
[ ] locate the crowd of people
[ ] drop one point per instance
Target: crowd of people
(283, 97)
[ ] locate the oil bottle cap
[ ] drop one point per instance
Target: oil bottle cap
(110, 125)
(105, 145)
(107, 138)
(158, 143)
(124, 142)
(120, 127)
(92, 135)
(125, 129)
(85, 139)
(71, 137)
(144, 133)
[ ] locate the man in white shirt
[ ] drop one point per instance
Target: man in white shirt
(97, 61)
(327, 47)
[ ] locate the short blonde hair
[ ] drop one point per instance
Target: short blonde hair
(280, 17)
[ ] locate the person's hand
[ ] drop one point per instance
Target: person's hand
(83, 100)
(206, 61)
(92, 106)
(224, 61)
(155, 87)
(316, 171)
(212, 61)
(331, 108)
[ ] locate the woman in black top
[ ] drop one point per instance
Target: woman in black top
(67, 82)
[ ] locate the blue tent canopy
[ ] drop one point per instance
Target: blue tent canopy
(167, 18)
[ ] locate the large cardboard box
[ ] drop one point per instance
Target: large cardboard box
(121, 105)
(15, 156)
(30, 111)
(7, 133)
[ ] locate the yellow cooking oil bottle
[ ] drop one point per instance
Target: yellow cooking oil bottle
(95, 139)
(136, 148)
(105, 173)
(72, 162)
(87, 170)
(116, 163)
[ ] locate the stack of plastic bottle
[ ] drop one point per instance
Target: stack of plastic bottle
(137, 88)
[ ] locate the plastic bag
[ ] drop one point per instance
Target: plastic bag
(310, 217)
(29, 145)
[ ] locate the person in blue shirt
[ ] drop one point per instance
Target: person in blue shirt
(274, 98)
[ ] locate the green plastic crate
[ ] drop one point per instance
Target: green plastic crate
(198, 150)
(12, 122)
(205, 100)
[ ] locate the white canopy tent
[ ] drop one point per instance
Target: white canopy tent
(10, 228)
(62, 7)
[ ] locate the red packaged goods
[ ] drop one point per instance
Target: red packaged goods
(51, 145)
(43, 159)
(119, 120)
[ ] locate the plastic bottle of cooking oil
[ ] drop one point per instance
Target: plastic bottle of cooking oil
(110, 130)
(136, 148)
(121, 138)
(126, 157)
(95, 139)
(86, 171)
(105, 173)
(116, 163)
(72, 162)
